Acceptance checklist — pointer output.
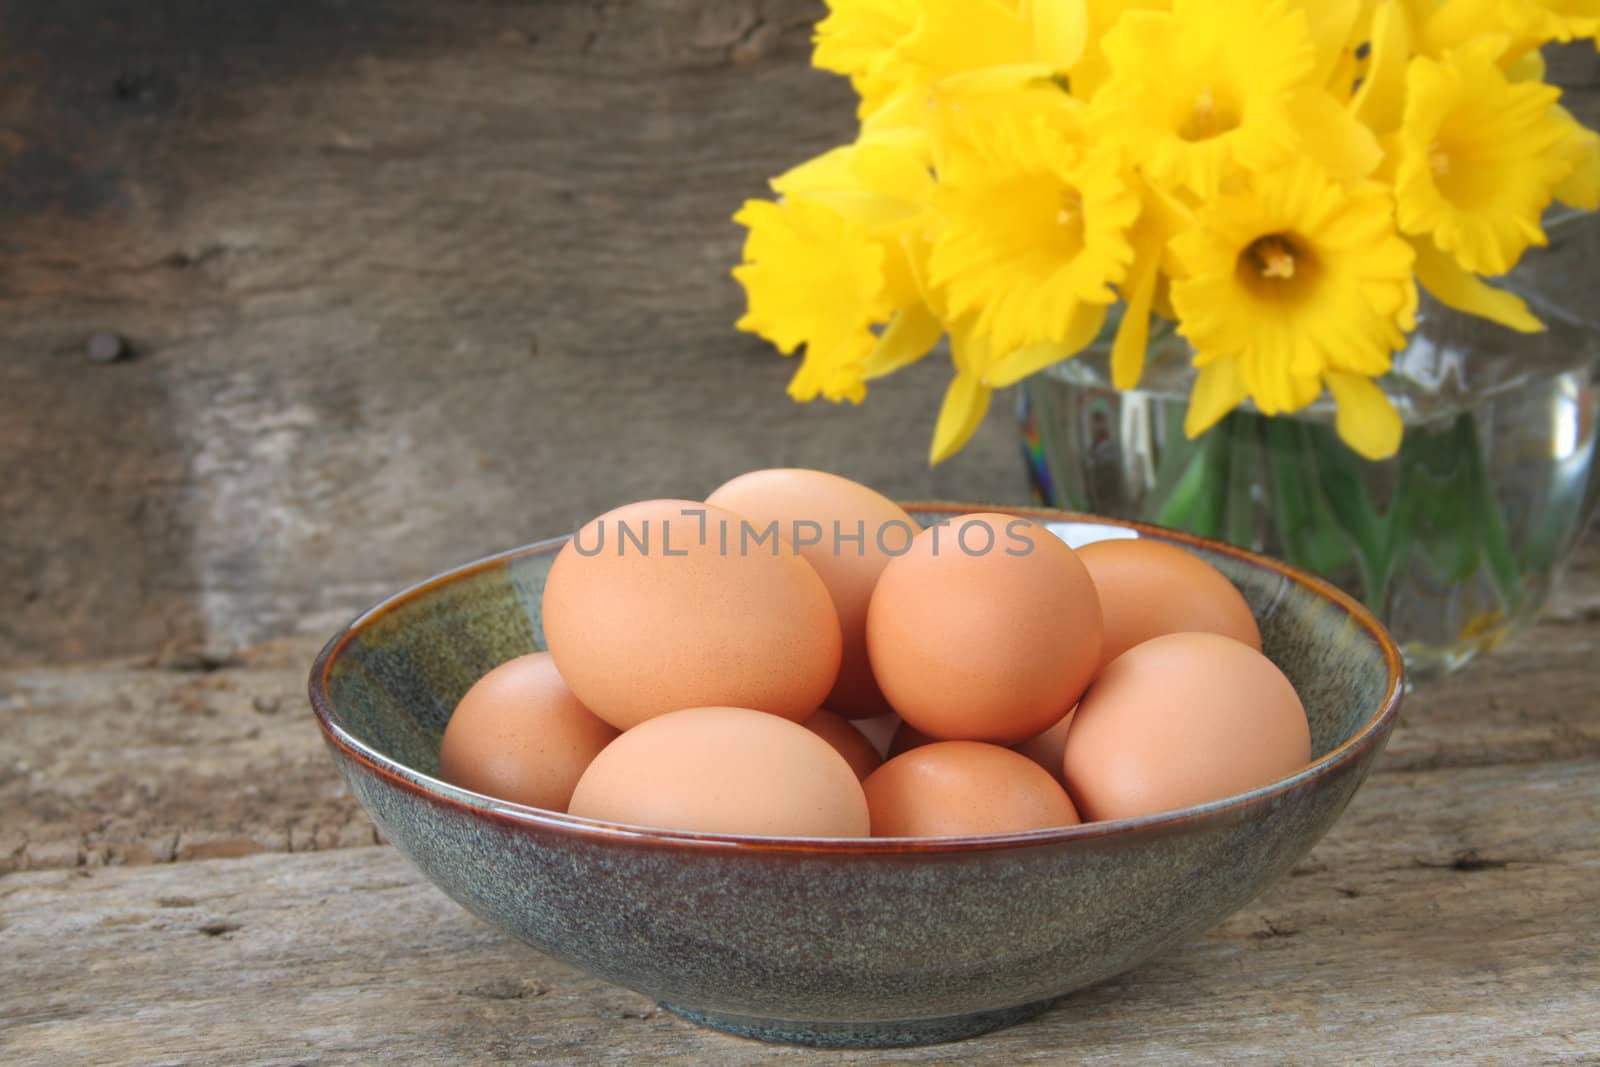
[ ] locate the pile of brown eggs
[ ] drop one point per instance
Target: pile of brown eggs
(709, 663)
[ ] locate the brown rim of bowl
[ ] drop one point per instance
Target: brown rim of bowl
(438, 791)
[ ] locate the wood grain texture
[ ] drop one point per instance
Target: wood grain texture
(1430, 926)
(408, 282)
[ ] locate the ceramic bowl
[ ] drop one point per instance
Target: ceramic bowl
(863, 942)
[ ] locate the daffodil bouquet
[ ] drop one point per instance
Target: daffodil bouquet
(1275, 178)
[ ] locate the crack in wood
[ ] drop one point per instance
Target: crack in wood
(1271, 930)
(507, 989)
(1469, 860)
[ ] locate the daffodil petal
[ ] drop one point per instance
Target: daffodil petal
(1455, 287)
(1380, 101)
(853, 35)
(1443, 26)
(830, 170)
(965, 404)
(1218, 389)
(1060, 30)
(1365, 419)
(831, 369)
(1133, 332)
(868, 209)
(1330, 22)
(812, 277)
(1581, 187)
(911, 141)
(1160, 219)
(957, 35)
(895, 163)
(969, 350)
(902, 110)
(1529, 68)
(915, 245)
(1332, 135)
(974, 84)
(1015, 366)
(911, 334)
(1023, 362)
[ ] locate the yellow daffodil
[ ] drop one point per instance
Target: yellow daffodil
(840, 255)
(1297, 283)
(813, 277)
(1563, 20)
(1277, 175)
(1445, 25)
(1344, 34)
(1379, 102)
(895, 52)
(1161, 218)
(1476, 159)
(1331, 26)
(981, 369)
(1214, 86)
(883, 183)
(857, 38)
(1517, 27)
(966, 400)
(1028, 226)
(1092, 69)
(1581, 187)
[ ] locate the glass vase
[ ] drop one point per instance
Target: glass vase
(1454, 542)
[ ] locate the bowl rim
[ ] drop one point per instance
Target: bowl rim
(437, 791)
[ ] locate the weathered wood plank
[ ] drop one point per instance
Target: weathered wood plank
(409, 282)
(135, 762)
(1433, 924)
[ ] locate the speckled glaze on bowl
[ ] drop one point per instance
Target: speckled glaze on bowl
(838, 942)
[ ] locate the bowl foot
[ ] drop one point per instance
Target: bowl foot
(891, 1033)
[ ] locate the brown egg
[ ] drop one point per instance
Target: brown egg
(1148, 588)
(724, 770)
(1182, 719)
(845, 531)
(848, 741)
(987, 629)
(1045, 749)
(658, 606)
(963, 787)
(520, 735)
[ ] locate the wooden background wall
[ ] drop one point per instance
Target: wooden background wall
(406, 282)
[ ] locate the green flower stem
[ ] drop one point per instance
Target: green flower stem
(1340, 480)
(1316, 534)
(1323, 516)
(1490, 523)
(1179, 461)
(1195, 504)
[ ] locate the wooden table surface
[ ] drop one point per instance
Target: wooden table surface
(190, 882)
